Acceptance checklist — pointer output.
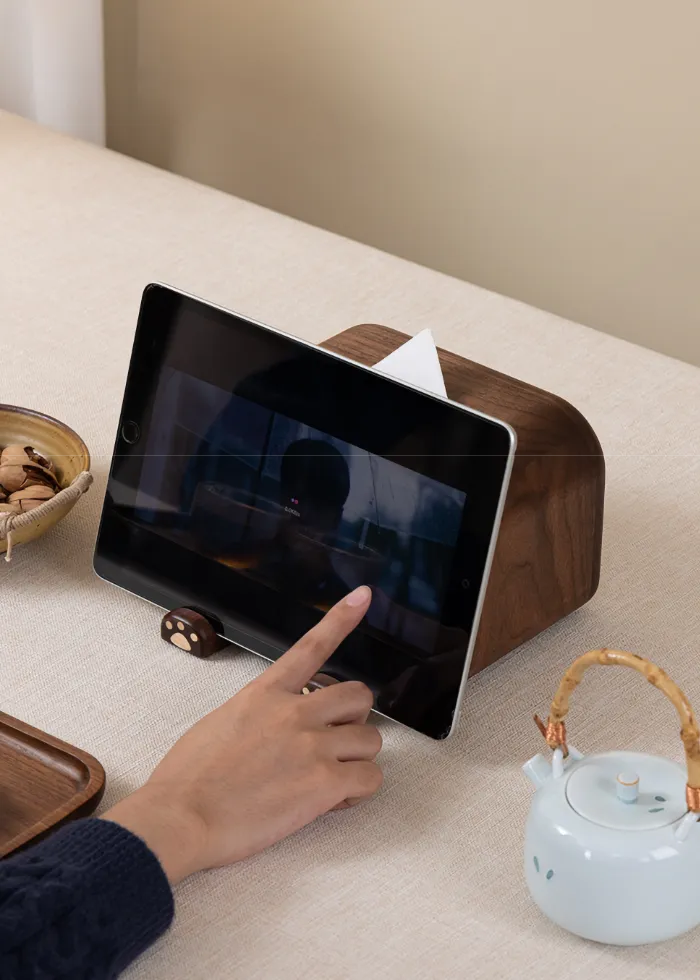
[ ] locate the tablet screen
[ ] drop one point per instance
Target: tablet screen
(259, 480)
(297, 509)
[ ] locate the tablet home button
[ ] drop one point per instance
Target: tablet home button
(131, 433)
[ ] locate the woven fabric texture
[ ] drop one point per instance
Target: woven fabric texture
(425, 882)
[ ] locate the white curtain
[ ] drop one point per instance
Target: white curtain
(52, 64)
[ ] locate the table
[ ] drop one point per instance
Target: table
(425, 881)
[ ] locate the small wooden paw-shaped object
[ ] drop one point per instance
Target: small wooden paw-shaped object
(190, 631)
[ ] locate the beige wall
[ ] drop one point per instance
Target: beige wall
(547, 149)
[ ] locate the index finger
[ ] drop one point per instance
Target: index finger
(297, 666)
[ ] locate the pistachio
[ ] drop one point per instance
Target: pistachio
(30, 498)
(14, 456)
(32, 493)
(43, 461)
(13, 477)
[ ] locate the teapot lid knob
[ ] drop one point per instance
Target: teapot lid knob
(627, 787)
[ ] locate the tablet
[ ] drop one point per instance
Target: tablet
(258, 479)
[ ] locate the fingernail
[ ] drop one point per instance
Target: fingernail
(360, 597)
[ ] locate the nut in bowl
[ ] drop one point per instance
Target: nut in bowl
(44, 470)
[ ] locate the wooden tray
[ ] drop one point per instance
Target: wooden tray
(43, 783)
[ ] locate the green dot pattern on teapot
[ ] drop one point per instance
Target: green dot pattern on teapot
(548, 876)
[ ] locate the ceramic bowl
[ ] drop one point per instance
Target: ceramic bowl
(67, 451)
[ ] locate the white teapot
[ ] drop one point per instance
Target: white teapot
(612, 846)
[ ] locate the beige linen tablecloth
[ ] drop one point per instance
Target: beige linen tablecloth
(425, 881)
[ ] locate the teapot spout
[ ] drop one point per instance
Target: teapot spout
(538, 770)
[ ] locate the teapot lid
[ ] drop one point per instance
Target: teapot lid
(628, 790)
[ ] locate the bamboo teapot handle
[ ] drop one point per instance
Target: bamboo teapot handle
(555, 729)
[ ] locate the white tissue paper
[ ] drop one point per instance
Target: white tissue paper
(416, 362)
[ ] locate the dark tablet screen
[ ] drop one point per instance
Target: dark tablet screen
(260, 479)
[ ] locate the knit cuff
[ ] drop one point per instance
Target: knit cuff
(117, 870)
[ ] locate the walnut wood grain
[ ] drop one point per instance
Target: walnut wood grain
(44, 782)
(192, 632)
(547, 559)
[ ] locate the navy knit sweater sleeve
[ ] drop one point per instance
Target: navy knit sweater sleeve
(81, 905)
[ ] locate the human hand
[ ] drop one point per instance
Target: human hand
(266, 763)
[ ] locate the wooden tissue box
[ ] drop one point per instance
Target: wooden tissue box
(547, 559)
